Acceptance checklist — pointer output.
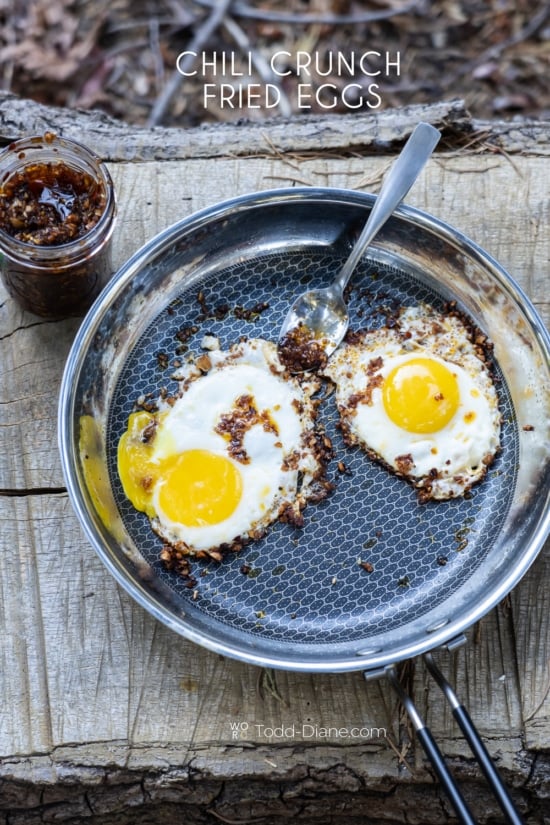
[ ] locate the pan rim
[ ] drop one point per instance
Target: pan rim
(73, 367)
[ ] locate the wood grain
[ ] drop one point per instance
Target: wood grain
(346, 134)
(98, 696)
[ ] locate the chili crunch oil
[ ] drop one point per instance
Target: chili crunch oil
(57, 208)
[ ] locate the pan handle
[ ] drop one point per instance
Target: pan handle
(472, 737)
(474, 741)
(433, 753)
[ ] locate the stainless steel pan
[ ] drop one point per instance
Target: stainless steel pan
(306, 603)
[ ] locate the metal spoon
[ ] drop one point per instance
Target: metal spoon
(317, 320)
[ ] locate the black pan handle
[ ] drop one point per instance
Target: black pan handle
(445, 777)
(474, 741)
(433, 753)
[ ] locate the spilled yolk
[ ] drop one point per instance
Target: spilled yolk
(197, 487)
(136, 468)
(96, 477)
(421, 395)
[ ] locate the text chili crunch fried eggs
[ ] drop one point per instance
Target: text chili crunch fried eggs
(418, 396)
(236, 449)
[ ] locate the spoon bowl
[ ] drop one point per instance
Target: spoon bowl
(314, 326)
(318, 319)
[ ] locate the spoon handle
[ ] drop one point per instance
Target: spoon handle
(395, 186)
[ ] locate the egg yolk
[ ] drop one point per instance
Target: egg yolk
(136, 469)
(199, 488)
(421, 395)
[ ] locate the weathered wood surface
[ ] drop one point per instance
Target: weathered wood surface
(310, 134)
(107, 716)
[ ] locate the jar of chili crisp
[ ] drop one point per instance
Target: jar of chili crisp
(57, 215)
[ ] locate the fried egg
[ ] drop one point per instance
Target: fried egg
(234, 450)
(418, 396)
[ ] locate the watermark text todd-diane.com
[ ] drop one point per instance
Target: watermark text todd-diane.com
(303, 730)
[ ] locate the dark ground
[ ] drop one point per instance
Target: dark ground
(120, 55)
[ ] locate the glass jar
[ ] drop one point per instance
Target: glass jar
(57, 215)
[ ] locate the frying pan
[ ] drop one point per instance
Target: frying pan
(305, 601)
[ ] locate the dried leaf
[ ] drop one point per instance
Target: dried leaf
(511, 102)
(486, 71)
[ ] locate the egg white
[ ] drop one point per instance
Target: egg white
(276, 461)
(442, 464)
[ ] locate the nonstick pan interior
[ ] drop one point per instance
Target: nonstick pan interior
(373, 576)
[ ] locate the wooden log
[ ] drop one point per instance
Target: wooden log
(350, 134)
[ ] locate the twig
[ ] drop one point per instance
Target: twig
(241, 9)
(262, 66)
(155, 50)
(116, 27)
(401, 754)
(498, 150)
(9, 65)
(277, 152)
(266, 683)
(290, 179)
(202, 35)
(536, 23)
(477, 138)
(477, 633)
(474, 170)
(495, 51)
(540, 704)
(372, 180)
